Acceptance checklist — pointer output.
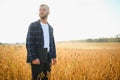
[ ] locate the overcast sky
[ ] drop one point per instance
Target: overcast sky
(71, 19)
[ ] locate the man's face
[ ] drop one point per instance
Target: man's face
(43, 12)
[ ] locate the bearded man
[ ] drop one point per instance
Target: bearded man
(40, 45)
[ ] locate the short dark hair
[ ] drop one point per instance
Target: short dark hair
(44, 5)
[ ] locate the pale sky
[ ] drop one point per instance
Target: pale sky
(71, 19)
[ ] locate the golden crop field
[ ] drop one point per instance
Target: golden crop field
(75, 61)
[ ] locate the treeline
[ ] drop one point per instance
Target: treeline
(103, 40)
(116, 38)
(98, 40)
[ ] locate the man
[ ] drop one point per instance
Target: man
(40, 36)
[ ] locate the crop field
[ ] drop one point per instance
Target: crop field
(75, 61)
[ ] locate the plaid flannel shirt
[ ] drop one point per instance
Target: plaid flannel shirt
(35, 40)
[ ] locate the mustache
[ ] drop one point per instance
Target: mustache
(44, 17)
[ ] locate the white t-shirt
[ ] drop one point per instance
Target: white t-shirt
(45, 29)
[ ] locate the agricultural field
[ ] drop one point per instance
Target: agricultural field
(75, 61)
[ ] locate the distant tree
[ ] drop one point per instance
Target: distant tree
(118, 36)
(0, 43)
(89, 40)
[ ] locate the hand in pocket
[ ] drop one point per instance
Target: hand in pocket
(36, 61)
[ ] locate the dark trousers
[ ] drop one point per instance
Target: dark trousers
(40, 72)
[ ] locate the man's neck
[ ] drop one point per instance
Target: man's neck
(44, 21)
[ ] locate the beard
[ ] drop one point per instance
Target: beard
(44, 17)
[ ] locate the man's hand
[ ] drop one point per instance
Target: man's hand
(54, 61)
(36, 61)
